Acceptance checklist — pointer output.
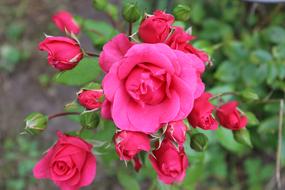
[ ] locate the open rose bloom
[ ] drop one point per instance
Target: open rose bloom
(151, 89)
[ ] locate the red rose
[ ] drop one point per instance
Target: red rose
(128, 144)
(70, 163)
(90, 99)
(65, 22)
(176, 131)
(180, 40)
(156, 28)
(63, 53)
(169, 162)
(201, 115)
(230, 117)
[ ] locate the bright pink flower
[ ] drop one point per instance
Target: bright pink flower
(106, 110)
(65, 22)
(70, 163)
(113, 51)
(128, 144)
(201, 115)
(63, 53)
(169, 162)
(90, 99)
(176, 131)
(152, 84)
(230, 117)
(156, 28)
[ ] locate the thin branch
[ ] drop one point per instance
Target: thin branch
(92, 54)
(62, 114)
(279, 148)
(224, 94)
(130, 30)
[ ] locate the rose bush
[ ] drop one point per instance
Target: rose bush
(151, 85)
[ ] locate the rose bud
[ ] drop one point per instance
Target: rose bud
(182, 12)
(36, 123)
(90, 99)
(176, 131)
(63, 53)
(156, 28)
(131, 12)
(65, 22)
(137, 163)
(230, 117)
(128, 144)
(201, 114)
(169, 162)
(69, 163)
(199, 142)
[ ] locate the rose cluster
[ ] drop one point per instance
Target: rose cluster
(150, 89)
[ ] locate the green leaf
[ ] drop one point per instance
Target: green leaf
(275, 34)
(252, 120)
(242, 136)
(270, 125)
(98, 32)
(89, 119)
(226, 139)
(260, 56)
(127, 181)
(249, 95)
(86, 71)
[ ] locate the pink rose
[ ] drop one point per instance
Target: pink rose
(169, 162)
(113, 51)
(63, 53)
(150, 85)
(70, 163)
(106, 110)
(65, 22)
(176, 131)
(128, 144)
(90, 99)
(156, 28)
(201, 115)
(230, 117)
(180, 40)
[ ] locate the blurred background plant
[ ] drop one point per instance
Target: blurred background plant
(246, 41)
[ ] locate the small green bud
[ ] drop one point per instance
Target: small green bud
(242, 136)
(35, 123)
(182, 12)
(199, 142)
(89, 119)
(131, 12)
(100, 5)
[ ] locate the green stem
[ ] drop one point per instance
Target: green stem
(62, 114)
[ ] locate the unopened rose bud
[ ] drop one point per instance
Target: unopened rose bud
(35, 123)
(100, 5)
(199, 142)
(242, 136)
(89, 119)
(131, 12)
(90, 99)
(182, 12)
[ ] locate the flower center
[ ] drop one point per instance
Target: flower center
(146, 84)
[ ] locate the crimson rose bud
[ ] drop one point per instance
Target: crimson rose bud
(128, 144)
(69, 163)
(156, 28)
(90, 99)
(201, 114)
(169, 162)
(176, 131)
(63, 53)
(65, 22)
(230, 117)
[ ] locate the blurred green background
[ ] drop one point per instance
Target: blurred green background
(246, 41)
